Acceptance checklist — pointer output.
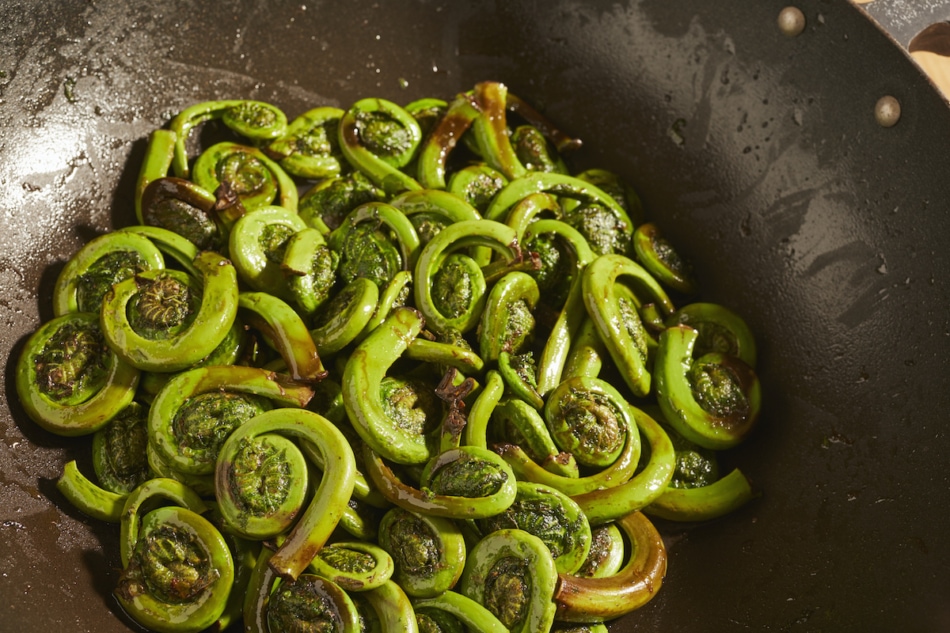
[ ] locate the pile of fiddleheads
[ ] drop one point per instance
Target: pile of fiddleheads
(388, 368)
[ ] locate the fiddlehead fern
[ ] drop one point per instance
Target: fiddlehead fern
(254, 120)
(606, 598)
(378, 138)
(429, 551)
(104, 261)
(513, 575)
(309, 148)
(153, 322)
(256, 179)
(177, 568)
(713, 400)
(68, 379)
(193, 414)
(551, 516)
(315, 524)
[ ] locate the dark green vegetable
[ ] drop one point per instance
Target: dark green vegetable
(102, 262)
(378, 138)
(255, 179)
(429, 551)
(255, 120)
(179, 574)
(309, 147)
(315, 524)
(512, 573)
(713, 400)
(163, 321)
(68, 380)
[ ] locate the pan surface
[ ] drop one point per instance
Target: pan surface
(757, 153)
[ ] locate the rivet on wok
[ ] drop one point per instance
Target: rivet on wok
(887, 111)
(791, 21)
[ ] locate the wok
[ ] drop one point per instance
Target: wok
(758, 154)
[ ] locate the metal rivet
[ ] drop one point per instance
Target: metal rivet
(887, 111)
(791, 21)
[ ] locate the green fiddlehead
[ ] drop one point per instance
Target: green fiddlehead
(310, 269)
(159, 154)
(477, 184)
(658, 256)
(378, 138)
(513, 575)
(284, 330)
(599, 599)
(616, 320)
(589, 419)
(365, 248)
(158, 321)
(254, 120)
(720, 330)
(609, 504)
(363, 377)
(195, 412)
(713, 400)
(309, 148)
(104, 261)
(442, 140)
(462, 279)
(315, 523)
(428, 551)
(119, 456)
(607, 552)
(257, 246)
(354, 565)
(324, 205)
(68, 379)
(255, 179)
(551, 516)
(464, 610)
(311, 603)
(491, 132)
(179, 574)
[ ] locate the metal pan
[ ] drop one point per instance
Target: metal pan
(758, 153)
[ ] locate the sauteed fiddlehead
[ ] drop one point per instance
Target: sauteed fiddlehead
(509, 377)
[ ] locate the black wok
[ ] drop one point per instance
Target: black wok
(759, 155)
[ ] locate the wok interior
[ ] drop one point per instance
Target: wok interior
(757, 154)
